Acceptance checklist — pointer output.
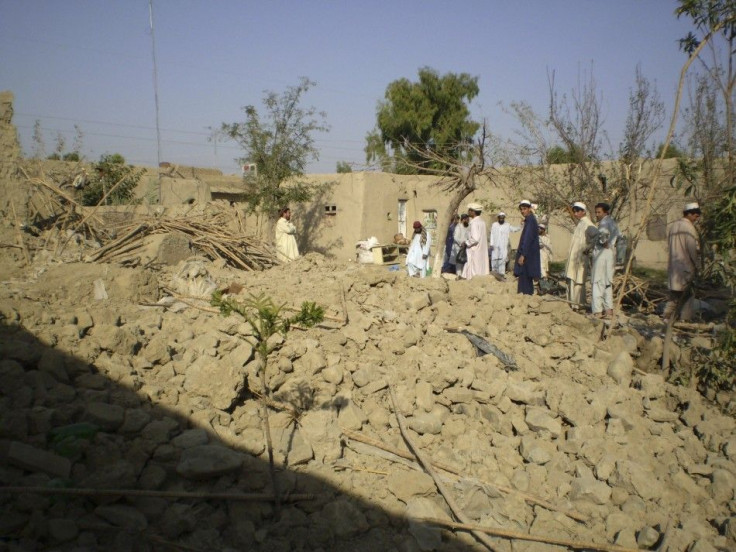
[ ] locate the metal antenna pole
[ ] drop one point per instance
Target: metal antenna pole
(155, 95)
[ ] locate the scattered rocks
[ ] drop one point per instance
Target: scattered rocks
(173, 398)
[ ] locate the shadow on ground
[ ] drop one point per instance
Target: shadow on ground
(63, 424)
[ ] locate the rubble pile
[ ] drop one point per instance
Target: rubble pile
(154, 394)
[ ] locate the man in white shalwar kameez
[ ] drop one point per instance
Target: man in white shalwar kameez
(499, 243)
(458, 241)
(602, 275)
(417, 259)
(286, 248)
(476, 245)
(577, 268)
(545, 250)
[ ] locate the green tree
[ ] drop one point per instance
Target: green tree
(266, 320)
(673, 151)
(280, 141)
(113, 182)
(431, 114)
(344, 167)
(557, 155)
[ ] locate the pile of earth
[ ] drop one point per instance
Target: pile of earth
(115, 378)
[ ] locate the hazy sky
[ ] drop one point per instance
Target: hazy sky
(89, 63)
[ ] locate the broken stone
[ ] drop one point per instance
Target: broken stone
(647, 537)
(351, 416)
(589, 489)
(62, 530)
(525, 392)
(428, 537)
(109, 417)
(35, 459)
(121, 515)
(425, 396)
(344, 518)
(425, 422)
(405, 485)
(620, 368)
(220, 382)
(540, 419)
(208, 461)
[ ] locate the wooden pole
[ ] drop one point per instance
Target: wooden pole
(242, 497)
(354, 435)
(578, 545)
(426, 464)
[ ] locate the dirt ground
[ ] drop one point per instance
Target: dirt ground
(124, 388)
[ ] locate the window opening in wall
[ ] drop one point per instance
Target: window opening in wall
(430, 223)
(330, 209)
(657, 227)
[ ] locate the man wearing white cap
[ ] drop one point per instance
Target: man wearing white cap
(683, 258)
(499, 243)
(576, 271)
(527, 265)
(476, 245)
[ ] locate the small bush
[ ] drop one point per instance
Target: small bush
(112, 172)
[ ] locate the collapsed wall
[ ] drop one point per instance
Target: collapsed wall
(9, 145)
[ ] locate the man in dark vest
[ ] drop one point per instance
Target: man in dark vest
(527, 267)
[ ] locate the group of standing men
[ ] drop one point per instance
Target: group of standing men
(592, 253)
(593, 250)
(468, 246)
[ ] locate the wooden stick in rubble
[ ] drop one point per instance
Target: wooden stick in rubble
(426, 464)
(456, 472)
(578, 545)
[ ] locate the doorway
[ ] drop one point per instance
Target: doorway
(402, 218)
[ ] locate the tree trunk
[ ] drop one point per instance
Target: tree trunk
(452, 208)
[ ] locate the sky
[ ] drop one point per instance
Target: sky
(89, 63)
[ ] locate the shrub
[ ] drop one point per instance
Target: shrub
(112, 176)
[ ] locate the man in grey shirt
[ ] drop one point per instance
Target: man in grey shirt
(605, 220)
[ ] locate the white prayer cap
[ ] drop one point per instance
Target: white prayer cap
(535, 206)
(542, 225)
(524, 202)
(691, 207)
(580, 205)
(501, 214)
(475, 207)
